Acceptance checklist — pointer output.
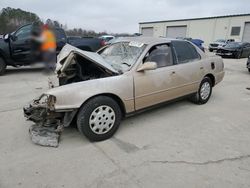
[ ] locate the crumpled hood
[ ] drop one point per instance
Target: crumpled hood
(91, 56)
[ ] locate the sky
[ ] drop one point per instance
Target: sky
(123, 16)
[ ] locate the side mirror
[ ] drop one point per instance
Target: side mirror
(147, 66)
(6, 37)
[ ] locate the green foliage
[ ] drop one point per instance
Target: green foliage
(11, 19)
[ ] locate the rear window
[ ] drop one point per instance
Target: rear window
(185, 52)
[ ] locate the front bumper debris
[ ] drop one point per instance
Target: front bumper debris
(44, 136)
(48, 127)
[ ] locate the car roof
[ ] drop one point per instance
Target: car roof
(147, 40)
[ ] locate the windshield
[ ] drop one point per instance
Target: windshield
(122, 55)
(233, 45)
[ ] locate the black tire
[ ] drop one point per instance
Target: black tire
(248, 69)
(2, 66)
(90, 107)
(197, 98)
(210, 50)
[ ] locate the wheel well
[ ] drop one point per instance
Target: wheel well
(212, 78)
(113, 96)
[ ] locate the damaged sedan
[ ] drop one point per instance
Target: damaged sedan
(96, 90)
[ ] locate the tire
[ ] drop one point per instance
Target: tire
(202, 98)
(210, 50)
(248, 69)
(2, 66)
(99, 118)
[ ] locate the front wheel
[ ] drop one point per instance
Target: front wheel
(204, 92)
(248, 69)
(2, 66)
(99, 118)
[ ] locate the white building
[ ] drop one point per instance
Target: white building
(208, 29)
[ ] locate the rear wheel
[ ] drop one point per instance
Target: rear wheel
(204, 92)
(2, 66)
(99, 118)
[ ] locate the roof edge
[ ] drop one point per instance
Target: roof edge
(190, 19)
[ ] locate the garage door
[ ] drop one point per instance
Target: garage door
(147, 31)
(246, 34)
(176, 31)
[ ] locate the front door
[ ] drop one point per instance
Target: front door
(20, 44)
(155, 86)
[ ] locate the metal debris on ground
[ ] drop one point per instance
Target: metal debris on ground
(45, 136)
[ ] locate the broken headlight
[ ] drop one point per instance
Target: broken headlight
(47, 101)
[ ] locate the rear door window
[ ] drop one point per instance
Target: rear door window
(185, 52)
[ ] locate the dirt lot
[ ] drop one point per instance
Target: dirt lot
(179, 145)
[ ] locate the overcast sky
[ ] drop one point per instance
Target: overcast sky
(124, 15)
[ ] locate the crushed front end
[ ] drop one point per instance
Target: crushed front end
(48, 123)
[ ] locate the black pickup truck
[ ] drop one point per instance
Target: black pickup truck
(16, 47)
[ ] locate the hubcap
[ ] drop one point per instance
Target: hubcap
(205, 90)
(102, 119)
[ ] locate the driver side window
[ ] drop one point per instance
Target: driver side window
(23, 33)
(161, 55)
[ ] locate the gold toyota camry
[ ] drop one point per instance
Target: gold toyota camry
(132, 74)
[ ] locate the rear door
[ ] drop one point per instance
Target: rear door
(189, 70)
(20, 44)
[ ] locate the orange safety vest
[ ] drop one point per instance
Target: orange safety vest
(50, 42)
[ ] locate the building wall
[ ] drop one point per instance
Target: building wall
(208, 30)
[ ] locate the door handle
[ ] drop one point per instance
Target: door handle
(201, 68)
(173, 72)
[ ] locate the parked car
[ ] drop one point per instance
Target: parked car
(99, 89)
(248, 64)
(198, 43)
(106, 38)
(16, 48)
(235, 49)
(72, 38)
(219, 43)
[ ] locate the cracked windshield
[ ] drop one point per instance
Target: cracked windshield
(121, 56)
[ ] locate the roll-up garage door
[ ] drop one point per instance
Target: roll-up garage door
(246, 34)
(147, 31)
(176, 31)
